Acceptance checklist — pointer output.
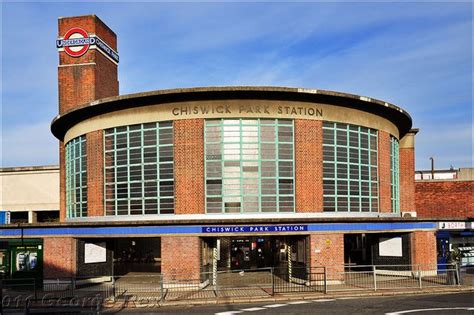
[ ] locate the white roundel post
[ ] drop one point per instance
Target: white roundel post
(290, 265)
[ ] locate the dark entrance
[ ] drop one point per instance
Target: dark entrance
(357, 249)
(251, 252)
(137, 255)
(255, 252)
(377, 249)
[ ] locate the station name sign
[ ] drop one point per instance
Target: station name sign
(264, 110)
(76, 42)
(254, 228)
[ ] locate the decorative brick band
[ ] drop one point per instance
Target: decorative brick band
(385, 202)
(95, 173)
(189, 166)
(308, 165)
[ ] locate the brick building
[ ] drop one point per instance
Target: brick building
(191, 180)
(448, 196)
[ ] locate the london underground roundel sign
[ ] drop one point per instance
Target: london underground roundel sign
(76, 42)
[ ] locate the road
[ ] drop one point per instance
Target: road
(439, 304)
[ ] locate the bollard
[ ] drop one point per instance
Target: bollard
(162, 289)
(419, 277)
(374, 271)
(325, 281)
(113, 289)
(273, 280)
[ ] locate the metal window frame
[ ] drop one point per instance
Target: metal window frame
(140, 128)
(73, 157)
(395, 174)
(220, 123)
(372, 135)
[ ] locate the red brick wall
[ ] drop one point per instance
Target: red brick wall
(180, 257)
(423, 249)
(62, 182)
(95, 173)
(327, 250)
(59, 257)
(93, 76)
(189, 166)
(407, 179)
(82, 80)
(76, 86)
(106, 78)
(308, 165)
(444, 199)
(385, 193)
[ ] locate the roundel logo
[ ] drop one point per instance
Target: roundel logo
(76, 42)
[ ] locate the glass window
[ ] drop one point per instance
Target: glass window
(249, 165)
(139, 169)
(350, 181)
(395, 174)
(76, 178)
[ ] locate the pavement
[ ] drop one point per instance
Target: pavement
(308, 296)
(281, 302)
(458, 303)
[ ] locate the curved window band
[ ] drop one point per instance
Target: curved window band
(249, 165)
(139, 164)
(350, 175)
(76, 178)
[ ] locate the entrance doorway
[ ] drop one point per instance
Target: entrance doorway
(251, 253)
(137, 255)
(377, 249)
(256, 252)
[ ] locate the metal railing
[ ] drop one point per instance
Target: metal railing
(391, 277)
(244, 283)
(466, 275)
(158, 288)
(299, 280)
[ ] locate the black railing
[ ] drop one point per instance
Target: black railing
(156, 289)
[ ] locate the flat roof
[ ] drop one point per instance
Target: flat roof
(29, 168)
(62, 123)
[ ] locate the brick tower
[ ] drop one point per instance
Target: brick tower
(87, 71)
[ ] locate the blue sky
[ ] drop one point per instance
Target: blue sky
(415, 55)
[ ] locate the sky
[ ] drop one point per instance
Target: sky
(415, 55)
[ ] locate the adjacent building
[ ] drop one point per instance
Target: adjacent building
(30, 194)
(448, 196)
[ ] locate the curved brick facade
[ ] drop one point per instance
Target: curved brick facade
(189, 174)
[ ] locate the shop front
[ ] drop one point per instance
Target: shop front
(21, 259)
(455, 242)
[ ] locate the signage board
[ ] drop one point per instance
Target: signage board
(95, 253)
(391, 247)
(255, 228)
(452, 225)
(76, 42)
